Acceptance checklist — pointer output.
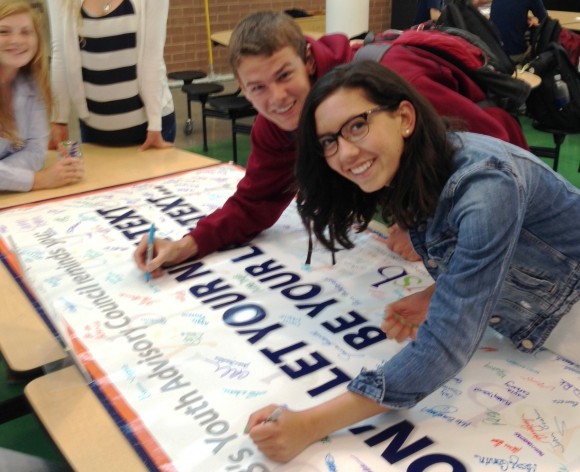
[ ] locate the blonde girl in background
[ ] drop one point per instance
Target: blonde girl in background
(25, 100)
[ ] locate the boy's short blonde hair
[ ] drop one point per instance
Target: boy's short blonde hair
(263, 34)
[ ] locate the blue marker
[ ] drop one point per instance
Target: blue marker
(275, 414)
(150, 248)
(330, 464)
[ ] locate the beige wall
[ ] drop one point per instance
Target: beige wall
(187, 48)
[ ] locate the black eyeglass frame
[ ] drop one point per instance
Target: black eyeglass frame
(334, 136)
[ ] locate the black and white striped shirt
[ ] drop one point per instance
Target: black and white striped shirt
(109, 69)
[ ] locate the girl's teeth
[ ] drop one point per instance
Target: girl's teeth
(360, 169)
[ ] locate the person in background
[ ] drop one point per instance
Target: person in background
(275, 66)
(25, 99)
(512, 20)
(427, 10)
(496, 228)
(107, 61)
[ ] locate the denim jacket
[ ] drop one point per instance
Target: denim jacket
(504, 249)
(19, 164)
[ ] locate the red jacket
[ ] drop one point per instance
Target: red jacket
(268, 185)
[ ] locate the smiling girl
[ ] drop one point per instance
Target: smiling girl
(24, 101)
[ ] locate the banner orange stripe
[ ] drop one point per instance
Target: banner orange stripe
(146, 440)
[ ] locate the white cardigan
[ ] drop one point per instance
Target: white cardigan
(66, 74)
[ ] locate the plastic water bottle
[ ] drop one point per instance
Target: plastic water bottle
(561, 92)
(75, 149)
(72, 148)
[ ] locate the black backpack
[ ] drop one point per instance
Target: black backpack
(548, 31)
(551, 31)
(541, 104)
(462, 15)
(460, 50)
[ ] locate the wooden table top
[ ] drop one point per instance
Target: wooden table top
(107, 167)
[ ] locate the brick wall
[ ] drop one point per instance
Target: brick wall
(187, 48)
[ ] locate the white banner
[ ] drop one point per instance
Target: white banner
(186, 358)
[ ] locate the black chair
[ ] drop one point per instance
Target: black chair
(231, 106)
(199, 93)
(187, 76)
(550, 152)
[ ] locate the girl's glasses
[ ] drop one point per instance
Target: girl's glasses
(355, 129)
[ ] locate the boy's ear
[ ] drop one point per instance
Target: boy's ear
(310, 61)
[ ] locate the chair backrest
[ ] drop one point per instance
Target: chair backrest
(230, 106)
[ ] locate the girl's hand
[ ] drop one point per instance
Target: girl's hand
(399, 242)
(403, 317)
(155, 140)
(65, 171)
(280, 439)
(283, 438)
